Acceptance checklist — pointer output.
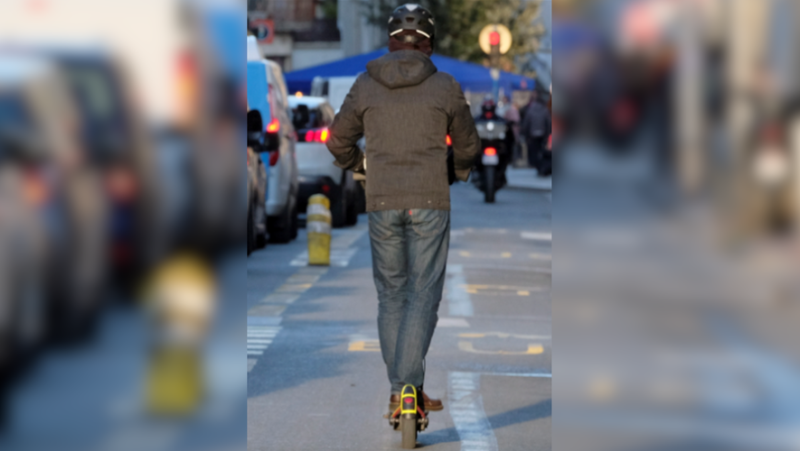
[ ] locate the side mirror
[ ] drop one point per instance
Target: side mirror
(272, 141)
(255, 131)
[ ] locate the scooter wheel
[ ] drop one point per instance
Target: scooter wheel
(408, 424)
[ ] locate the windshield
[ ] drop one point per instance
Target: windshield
(100, 103)
(14, 119)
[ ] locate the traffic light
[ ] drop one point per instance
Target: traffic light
(494, 38)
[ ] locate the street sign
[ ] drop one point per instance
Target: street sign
(263, 29)
(495, 34)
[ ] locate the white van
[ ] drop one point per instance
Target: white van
(283, 184)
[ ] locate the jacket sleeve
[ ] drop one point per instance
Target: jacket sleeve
(346, 130)
(464, 135)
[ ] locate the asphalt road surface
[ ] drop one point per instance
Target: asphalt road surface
(316, 379)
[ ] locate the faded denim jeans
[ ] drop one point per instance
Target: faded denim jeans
(409, 256)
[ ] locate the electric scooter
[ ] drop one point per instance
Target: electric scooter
(409, 417)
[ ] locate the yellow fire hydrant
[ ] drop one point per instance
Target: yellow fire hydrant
(318, 226)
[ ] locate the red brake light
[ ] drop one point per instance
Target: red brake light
(121, 184)
(273, 157)
(490, 151)
(319, 135)
(35, 189)
(449, 141)
(273, 126)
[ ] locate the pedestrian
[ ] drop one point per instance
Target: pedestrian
(405, 108)
(536, 128)
(512, 118)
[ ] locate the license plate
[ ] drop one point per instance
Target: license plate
(490, 160)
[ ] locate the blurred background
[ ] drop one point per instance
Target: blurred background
(676, 140)
(120, 186)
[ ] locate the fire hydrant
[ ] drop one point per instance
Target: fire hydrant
(318, 226)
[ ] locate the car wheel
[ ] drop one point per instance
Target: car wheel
(295, 220)
(338, 206)
(352, 209)
(282, 232)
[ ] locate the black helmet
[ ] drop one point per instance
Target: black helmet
(412, 17)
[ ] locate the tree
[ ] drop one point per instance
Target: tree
(459, 22)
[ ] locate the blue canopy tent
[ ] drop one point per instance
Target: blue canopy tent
(474, 77)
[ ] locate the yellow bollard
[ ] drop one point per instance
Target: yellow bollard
(318, 226)
(180, 298)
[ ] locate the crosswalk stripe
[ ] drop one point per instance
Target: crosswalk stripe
(258, 340)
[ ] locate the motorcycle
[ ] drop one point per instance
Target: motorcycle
(489, 174)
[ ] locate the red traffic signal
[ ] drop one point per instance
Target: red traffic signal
(494, 38)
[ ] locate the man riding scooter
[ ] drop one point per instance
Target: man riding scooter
(405, 109)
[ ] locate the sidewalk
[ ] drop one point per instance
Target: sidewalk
(527, 178)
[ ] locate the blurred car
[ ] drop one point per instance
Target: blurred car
(117, 144)
(311, 117)
(283, 188)
(256, 183)
(42, 152)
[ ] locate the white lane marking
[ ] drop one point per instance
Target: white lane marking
(466, 410)
(458, 299)
(452, 322)
(535, 375)
(258, 340)
(537, 236)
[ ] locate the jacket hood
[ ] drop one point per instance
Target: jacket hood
(401, 69)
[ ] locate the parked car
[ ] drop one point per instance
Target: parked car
(311, 117)
(118, 145)
(39, 130)
(283, 187)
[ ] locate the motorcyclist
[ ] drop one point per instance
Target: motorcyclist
(405, 108)
(489, 113)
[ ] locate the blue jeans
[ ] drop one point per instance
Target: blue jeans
(409, 255)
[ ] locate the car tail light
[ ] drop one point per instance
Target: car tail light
(623, 114)
(490, 151)
(35, 189)
(186, 86)
(449, 141)
(319, 135)
(273, 157)
(121, 184)
(274, 126)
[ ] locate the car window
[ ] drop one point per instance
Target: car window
(16, 123)
(304, 117)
